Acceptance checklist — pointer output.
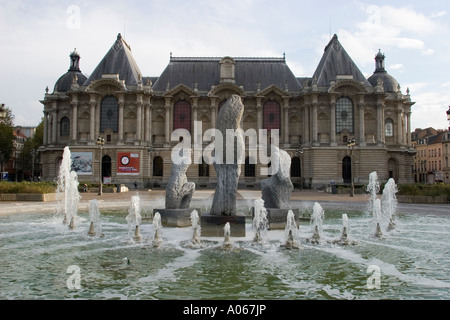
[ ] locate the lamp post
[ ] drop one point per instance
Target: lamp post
(152, 153)
(351, 144)
(100, 143)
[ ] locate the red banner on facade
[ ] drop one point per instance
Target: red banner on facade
(127, 163)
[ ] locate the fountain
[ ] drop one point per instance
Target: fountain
(134, 218)
(195, 222)
(345, 238)
(316, 222)
(227, 244)
(373, 188)
(389, 203)
(291, 232)
(67, 190)
(260, 222)
(157, 226)
(94, 214)
(377, 218)
(33, 263)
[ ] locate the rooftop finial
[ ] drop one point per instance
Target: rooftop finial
(75, 61)
(379, 62)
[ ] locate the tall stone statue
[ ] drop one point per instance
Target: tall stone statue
(277, 190)
(229, 117)
(179, 191)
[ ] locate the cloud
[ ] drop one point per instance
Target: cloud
(387, 27)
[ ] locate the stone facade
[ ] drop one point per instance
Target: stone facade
(316, 117)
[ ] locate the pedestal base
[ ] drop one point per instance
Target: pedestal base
(212, 226)
(179, 218)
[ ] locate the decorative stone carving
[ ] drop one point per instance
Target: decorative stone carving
(179, 191)
(229, 117)
(276, 190)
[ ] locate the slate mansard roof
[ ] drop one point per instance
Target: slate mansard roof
(336, 61)
(252, 74)
(118, 60)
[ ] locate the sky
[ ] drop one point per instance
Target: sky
(37, 37)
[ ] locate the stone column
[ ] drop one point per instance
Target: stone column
(45, 141)
(380, 124)
(55, 123)
(259, 119)
(362, 138)
(194, 113)
(121, 107)
(213, 112)
(306, 129)
(399, 127)
(139, 118)
(74, 120)
(314, 124)
(408, 132)
(92, 119)
(167, 107)
(148, 121)
(333, 121)
(286, 122)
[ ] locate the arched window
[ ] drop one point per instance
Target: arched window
(182, 115)
(157, 167)
(271, 115)
(250, 169)
(65, 127)
(109, 114)
(389, 127)
(344, 115)
(296, 171)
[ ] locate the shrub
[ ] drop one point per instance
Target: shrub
(27, 187)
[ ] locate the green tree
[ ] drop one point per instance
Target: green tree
(30, 151)
(6, 137)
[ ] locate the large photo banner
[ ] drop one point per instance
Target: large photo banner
(127, 163)
(81, 162)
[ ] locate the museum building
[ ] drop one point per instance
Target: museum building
(336, 125)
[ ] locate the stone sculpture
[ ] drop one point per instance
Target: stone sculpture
(276, 190)
(179, 191)
(229, 117)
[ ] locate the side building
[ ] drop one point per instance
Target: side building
(316, 117)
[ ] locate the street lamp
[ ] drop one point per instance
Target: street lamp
(351, 144)
(152, 153)
(100, 143)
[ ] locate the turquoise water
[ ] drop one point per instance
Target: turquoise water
(36, 251)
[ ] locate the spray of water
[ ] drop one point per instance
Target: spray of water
(260, 222)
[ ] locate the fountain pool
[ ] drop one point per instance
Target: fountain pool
(38, 254)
